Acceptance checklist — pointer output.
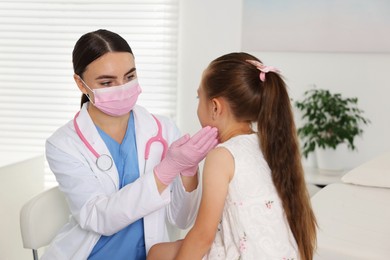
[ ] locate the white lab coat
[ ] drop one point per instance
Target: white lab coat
(97, 207)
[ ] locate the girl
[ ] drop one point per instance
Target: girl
(255, 204)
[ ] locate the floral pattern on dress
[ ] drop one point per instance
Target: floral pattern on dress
(242, 245)
(268, 204)
(253, 223)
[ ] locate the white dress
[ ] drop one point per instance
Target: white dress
(253, 224)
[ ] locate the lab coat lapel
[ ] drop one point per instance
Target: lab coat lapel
(88, 129)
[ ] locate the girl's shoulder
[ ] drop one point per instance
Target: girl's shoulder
(219, 162)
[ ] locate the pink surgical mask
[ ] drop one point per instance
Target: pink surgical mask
(117, 100)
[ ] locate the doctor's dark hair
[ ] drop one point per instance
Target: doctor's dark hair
(268, 105)
(92, 46)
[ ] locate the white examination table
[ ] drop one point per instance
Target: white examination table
(354, 220)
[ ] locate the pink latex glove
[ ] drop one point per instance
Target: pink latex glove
(186, 153)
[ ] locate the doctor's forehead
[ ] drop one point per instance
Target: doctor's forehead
(115, 64)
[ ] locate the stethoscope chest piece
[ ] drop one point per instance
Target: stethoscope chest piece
(104, 162)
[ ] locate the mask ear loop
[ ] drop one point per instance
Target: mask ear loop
(87, 94)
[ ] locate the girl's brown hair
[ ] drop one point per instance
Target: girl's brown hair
(268, 104)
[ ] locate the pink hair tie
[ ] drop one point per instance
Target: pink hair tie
(263, 69)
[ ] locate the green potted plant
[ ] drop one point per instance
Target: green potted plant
(329, 120)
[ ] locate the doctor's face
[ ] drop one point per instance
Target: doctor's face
(111, 69)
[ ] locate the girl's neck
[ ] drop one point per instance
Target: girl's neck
(241, 129)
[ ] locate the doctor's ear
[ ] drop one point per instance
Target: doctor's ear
(79, 83)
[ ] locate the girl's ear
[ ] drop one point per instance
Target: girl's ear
(217, 107)
(80, 84)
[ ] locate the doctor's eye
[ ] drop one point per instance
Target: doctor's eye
(130, 77)
(106, 83)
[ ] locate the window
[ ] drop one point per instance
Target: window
(37, 92)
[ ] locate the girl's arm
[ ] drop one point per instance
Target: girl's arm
(218, 171)
(164, 251)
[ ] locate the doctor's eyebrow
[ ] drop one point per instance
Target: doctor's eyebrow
(114, 77)
(131, 71)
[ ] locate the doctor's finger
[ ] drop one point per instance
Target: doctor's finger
(204, 135)
(182, 140)
(209, 144)
(208, 140)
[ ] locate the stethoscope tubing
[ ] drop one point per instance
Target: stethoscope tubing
(104, 162)
(80, 134)
(157, 138)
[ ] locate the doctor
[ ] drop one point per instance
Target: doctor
(121, 181)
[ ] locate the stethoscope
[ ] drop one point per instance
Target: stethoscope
(104, 162)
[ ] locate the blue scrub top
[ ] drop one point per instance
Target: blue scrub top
(128, 243)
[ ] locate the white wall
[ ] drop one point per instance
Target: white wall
(207, 29)
(212, 28)
(364, 76)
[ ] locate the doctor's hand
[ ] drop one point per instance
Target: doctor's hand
(186, 153)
